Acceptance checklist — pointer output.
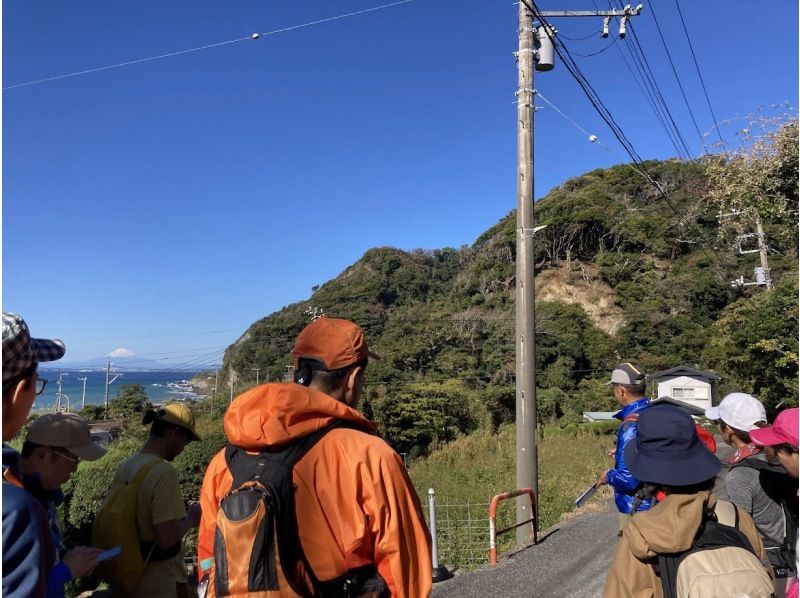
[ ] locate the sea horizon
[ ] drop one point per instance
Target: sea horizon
(161, 386)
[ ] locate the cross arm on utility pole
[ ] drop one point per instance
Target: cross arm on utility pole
(592, 13)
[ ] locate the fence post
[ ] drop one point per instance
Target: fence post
(439, 573)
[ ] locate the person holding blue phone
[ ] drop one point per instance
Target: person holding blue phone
(53, 447)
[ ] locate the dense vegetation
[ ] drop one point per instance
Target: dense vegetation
(622, 274)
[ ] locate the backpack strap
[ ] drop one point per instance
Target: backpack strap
(148, 548)
(630, 418)
(727, 513)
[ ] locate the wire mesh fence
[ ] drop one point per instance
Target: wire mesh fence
(463, 531)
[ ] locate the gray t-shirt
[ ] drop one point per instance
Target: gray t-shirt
(745, 491)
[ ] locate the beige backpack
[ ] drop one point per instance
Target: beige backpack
(720, 563)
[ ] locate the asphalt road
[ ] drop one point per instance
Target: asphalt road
(571, 559)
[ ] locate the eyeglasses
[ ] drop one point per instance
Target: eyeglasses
(40, 384)
(67, 455)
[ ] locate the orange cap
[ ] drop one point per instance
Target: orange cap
(336, 343)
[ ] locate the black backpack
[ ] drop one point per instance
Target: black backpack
(781, 488)
(257, 549)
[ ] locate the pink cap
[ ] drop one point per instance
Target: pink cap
(782, 431)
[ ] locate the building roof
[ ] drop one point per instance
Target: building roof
(685, 370)
(599, 415)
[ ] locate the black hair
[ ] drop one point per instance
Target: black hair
(159, 427)
(705, 485)
(26, 374)
(313, 370)
(636, 388)
(786, 447)
(27, 449)
(740, 434)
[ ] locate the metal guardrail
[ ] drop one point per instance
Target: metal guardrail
(493, 533)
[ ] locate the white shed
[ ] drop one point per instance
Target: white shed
(689, 385)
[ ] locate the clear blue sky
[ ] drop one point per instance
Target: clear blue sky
(146, 204)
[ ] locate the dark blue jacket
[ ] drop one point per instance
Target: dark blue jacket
(620, 478)
(50, 500)
(28, 552)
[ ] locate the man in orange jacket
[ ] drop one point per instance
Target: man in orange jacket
(354, 502)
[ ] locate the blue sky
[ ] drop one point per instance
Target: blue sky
(146, 205)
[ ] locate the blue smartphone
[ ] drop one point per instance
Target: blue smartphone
(109, 554)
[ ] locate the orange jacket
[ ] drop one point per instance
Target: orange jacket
(354, 501)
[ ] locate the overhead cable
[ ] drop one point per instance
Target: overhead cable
(699, 74)
(678, 79)
(254, 36)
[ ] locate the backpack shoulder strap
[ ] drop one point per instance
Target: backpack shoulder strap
(244, 466)
(727, 513)
(630, 418)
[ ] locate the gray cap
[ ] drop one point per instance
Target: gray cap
(626, 373)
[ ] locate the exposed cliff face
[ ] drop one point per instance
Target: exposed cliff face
(579, 284)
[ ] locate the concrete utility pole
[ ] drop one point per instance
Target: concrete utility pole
(105, 393)
(60, 394)
(762, 251)
(256, 370)
(83, 396)
(526, 451)
(108, 383)
(761, 273)
(536, 47)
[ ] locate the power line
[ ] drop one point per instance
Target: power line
(637, 45)
(606, 115)
(599, 51)
(699, 74)
(651, 93)
(677, 78)
(254, 36)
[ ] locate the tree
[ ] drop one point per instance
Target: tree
(130, 402)
(754, 344)
(760, 177)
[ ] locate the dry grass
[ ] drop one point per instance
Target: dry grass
(467, 473)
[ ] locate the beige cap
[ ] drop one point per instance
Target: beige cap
(65, 430)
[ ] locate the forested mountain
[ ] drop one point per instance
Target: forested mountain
(622, 274)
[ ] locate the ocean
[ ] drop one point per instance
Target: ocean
(160, 386)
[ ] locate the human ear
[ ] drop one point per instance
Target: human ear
(17, 407)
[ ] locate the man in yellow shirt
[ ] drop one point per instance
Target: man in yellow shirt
(161, 517)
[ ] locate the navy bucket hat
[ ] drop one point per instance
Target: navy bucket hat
(666, 449)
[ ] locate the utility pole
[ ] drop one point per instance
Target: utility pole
(536, 47)
(83, 396)
(232, 375)
(526, 450)
(105, 393)
(762, 251)
(214, 393)
(60, 394)
(762, 275)
(108, 383)
(288, 372)
(256, 370)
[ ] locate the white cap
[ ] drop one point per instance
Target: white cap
(740, 411)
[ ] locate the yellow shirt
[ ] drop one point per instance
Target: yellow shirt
(160, 500)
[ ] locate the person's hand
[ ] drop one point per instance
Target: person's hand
(193, 515)
(603, 479)
(81, 560)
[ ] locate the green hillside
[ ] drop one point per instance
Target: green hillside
(621, 275)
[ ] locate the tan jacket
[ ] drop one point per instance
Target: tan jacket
(668, 527)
